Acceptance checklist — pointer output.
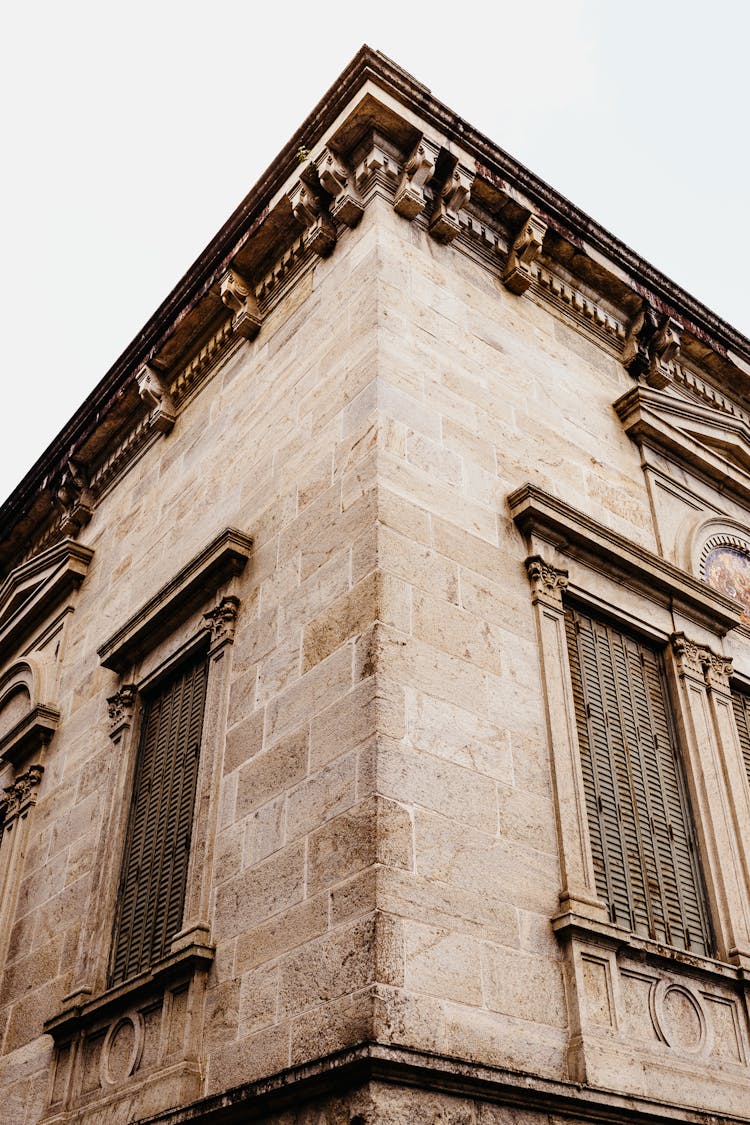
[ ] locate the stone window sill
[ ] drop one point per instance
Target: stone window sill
(569, 926)
(80, 1010)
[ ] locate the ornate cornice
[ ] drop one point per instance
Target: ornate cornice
(546, 519)
(439, 171)
(220, 560)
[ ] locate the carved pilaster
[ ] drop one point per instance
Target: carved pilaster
(155, 393)
(237, 295)
(444, 224)
(526, 248)
(312, 214)
(222, 621)
(337, 180)
(120, 710)
(418, 170)
(22, 793)
(74, 499)
(547, 582)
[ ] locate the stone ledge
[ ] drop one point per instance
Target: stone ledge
(571, 925)
(376, 1062)
(76, 1015)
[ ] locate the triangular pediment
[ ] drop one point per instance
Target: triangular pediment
(710, 439)
(33, 590)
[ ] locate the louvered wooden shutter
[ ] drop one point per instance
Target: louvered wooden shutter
(152, 891)
(639, 821)
(741, 702)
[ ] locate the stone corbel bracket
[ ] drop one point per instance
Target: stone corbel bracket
(410, 199)
(311, 212)
(237, 295)
(452, 197)
(652, 347)
(526, 248)
(155, 393)
(664, 351)
(74, 499)
(337, 179)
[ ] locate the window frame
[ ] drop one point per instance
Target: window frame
(197, 608)
(571, 554)
(198, 654)
(611, 866)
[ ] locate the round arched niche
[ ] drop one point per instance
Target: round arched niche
(14, 706)
(721, 558)
(27, 719)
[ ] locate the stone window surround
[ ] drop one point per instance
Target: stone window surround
(575, 557)
(176, 623)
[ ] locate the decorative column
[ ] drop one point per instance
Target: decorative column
(14, 809)
(718, 789)
(578, 895)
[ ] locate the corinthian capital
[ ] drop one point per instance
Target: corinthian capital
(22, 792)
(547, 582)
(120, 708)
(222, 621)
(699, 661)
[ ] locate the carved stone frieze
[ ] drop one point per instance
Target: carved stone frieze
(237, 295)
(526, 248)
(21, 793)
(120, 708)
(155, 393)
(588, 315)
(410, 199)
(197, 369)
(312, 214)
(547, 582)
(453, 195)
(222, 621)
(337, 179)
(700, 661)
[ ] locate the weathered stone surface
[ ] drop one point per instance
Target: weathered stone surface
(383, 825)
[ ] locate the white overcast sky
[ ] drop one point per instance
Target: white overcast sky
(131, 132)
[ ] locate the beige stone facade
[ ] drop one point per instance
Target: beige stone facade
(408, 409)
